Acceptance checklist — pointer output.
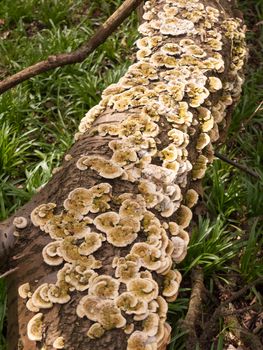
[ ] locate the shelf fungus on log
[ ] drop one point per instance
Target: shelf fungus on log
(98, 258)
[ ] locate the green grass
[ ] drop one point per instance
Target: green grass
(39, 117)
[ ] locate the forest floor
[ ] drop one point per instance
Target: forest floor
(39, 117)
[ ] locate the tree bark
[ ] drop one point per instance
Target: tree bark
(150, 139)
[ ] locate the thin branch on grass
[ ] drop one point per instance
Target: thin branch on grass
(193, 312)
(242, 291)
(237, 165)
(259, 108)
(8, 273)
(60, 60)
(254, 307)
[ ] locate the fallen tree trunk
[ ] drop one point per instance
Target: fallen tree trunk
(96, 248)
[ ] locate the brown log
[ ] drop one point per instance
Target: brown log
(77, 56)
(122, 144)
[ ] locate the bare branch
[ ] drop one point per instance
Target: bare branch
(9, 272)
(193, 312)
(60, 60)
(237, 165)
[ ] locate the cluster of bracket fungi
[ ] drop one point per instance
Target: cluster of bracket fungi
(175, 95)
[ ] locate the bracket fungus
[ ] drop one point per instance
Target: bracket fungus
(34, 327)
(20, 222)
(24, 290)
(104, 167)
(113, 239)
(59, 343)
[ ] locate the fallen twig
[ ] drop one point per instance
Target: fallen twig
(237, 165)
(259, 108)
(242, 291)
(9, 272)
(189, 323)
(77, 56)
(254, 307)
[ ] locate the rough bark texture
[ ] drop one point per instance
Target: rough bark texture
(150, 139)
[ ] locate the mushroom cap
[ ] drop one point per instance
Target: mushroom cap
(93, 241)
(89, 306)
(199, 167)
(129, 328)
(20, 222)
(132, 208)
(59, 343)
(68, 157)
(149, 255)
(104, 167)
(140, 341)
(124, 156)
(79, 276)
(41, 214)
(145, 289)
(104, 286)
(131, 305)
(89, 118)
(172, 49)
(176, 26)
(191, 198)
(106, 221)
(214, 84)
(180, 249)
(149, 192)
(51, 254)
(126, 301)
(163, 337)
(149, 221)
(150, 324)
(184, 216)
(208, 124)
(127, 270)
(110, 316)
(162, 307)
(111, 129)
(40, 297)
(34, 327)
(31, 307)
(58, 293)
(203, 141)
(23, 290)
(95, 331)
(171, 285)
(169, 153)
(68, 224)
(124, 233)
(70, 252)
